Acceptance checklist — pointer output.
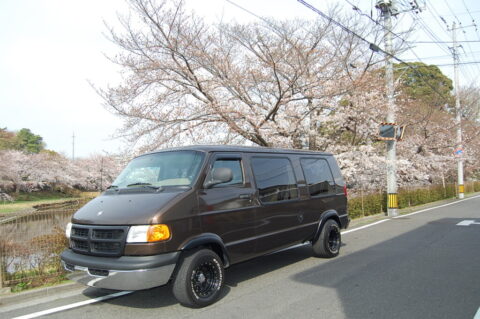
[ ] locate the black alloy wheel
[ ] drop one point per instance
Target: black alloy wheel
(334, 239)
(206, 279)
(199, 279)
(328, 243)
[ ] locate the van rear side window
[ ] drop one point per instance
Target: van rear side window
(318, 176)
(275, 179)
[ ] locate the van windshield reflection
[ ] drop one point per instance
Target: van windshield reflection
(159, 170)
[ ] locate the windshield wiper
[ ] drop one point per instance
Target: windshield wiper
(112, 186)
(146, 185)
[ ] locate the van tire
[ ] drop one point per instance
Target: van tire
(328, 243)
(199, 279)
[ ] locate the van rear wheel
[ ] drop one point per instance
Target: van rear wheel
(199, 279)
(328, 243)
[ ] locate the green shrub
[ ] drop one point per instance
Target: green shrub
(372, 204)
(376, 203)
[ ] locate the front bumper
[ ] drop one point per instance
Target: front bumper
(121, 273)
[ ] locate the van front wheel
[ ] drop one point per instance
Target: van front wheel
(328, 243)
(199, 279)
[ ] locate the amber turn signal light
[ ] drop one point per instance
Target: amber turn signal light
(158, 233)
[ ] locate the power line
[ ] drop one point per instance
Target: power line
(461, 27)
(471, 17)
(459, 63)
(432, 35)
(373, 46)
(439, 19)
(248, 11)
(356, 9)
(453, 13)
(359, 11)
(444, 42)
(465, 13)
(434, 14)
(439, 56)
(476, 32)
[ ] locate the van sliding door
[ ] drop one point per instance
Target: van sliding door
(279, 218)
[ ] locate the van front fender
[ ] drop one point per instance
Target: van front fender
(208, 240)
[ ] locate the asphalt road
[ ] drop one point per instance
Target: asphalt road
(417, 266)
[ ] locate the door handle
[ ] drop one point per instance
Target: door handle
(245, 196)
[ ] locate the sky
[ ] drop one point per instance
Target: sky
(53, 51)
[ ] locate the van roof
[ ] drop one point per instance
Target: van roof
(238, 148)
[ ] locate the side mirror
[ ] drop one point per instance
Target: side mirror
(218, 176)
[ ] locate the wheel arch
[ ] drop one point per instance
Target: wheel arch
(211, 241)
(329, 214)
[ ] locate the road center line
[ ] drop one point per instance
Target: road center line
(74, 305)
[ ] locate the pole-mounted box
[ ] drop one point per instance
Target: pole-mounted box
(390, 132)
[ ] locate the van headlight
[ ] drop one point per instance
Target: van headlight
(68, 230)
(148, 233)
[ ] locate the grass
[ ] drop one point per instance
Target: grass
(46, 282)
(28, 200)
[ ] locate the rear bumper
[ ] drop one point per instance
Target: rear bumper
(121, 273)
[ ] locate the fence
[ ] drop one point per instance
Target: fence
(30, 243)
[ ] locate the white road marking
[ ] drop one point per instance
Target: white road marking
(74, 305)
(122, 293)
(466, 223)
(410, 214)
(431, 208)
(363, 227)
(477, 315)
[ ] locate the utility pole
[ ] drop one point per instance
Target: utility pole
(73, 146)
(386, 7)
(458, 118)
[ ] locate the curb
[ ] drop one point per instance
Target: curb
(20, 297)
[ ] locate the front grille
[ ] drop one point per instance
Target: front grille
(80, 245)
(107, 234)
(98, 240)
(80, 232)
(106, 247)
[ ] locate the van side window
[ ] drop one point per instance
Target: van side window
(318, 176)
(234, 164)
(275, 179)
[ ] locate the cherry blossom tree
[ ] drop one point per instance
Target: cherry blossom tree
(30, 172)
(269, 83)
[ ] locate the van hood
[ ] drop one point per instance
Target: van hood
(124, 209)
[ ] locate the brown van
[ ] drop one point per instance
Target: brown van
(182, 215)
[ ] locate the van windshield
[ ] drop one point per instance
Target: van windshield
(176, 168)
